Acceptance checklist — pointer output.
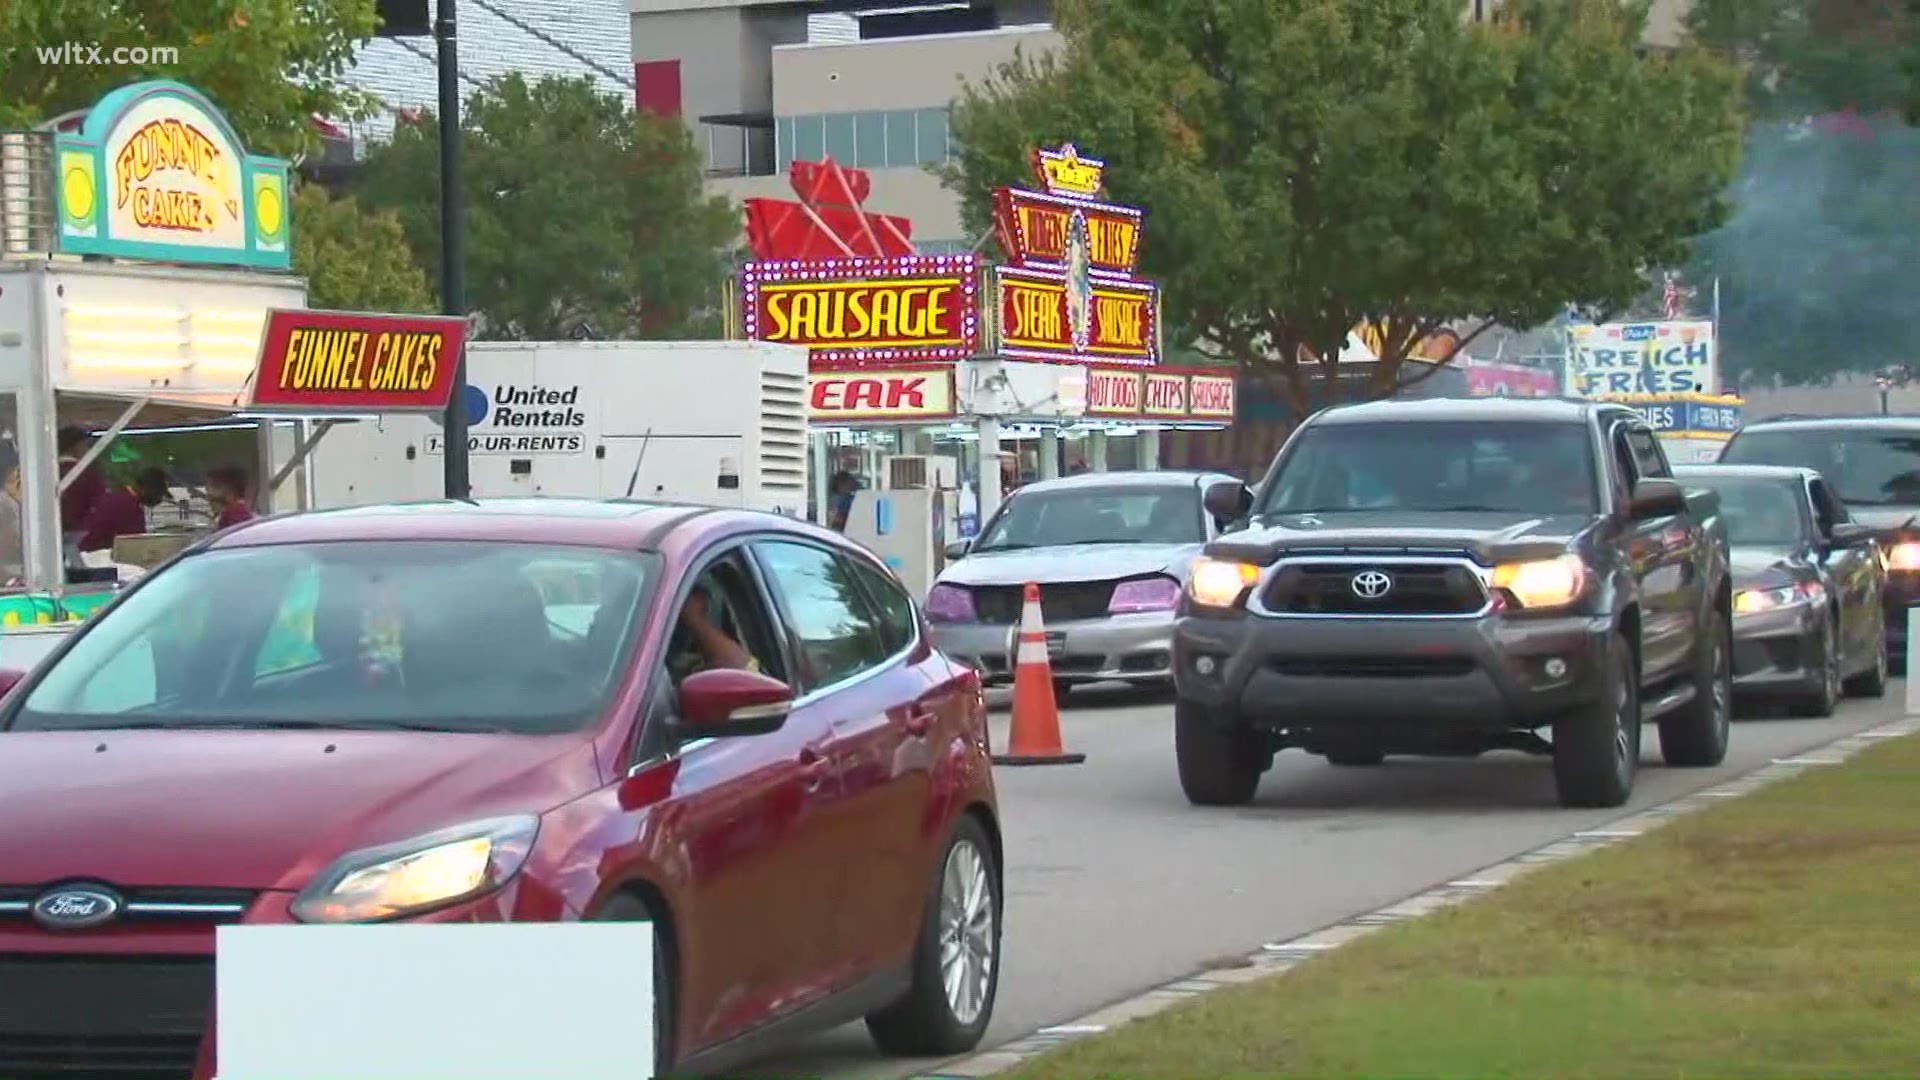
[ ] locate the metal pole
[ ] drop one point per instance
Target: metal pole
(453, 256)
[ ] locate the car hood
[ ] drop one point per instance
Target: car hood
(1487, 535)
(1074, 562)
(256, 809)
(1757, 566)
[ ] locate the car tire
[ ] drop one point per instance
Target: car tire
(1596, 748)
(1695, 735)
(625, 907)
(1061, 690)
(1220, 761)
(964, 911)
(1355, 759)
(1820, 703)
(1872, 683)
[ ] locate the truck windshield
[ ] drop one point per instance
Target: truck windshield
(1437, 466)
(1866, 468)
(386, 635)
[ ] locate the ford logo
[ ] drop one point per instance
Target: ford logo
(77, 907)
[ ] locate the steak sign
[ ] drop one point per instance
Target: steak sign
(880, 394)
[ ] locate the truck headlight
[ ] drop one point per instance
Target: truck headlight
(418, 875)
(1219, 583)
(1543, 583)
(1904, 555)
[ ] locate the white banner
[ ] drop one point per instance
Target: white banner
(1612, 359)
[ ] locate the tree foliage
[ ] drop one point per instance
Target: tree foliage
(583, 217)
(270, 65)
(1310, 165)
(1804, 56)
(355, 259)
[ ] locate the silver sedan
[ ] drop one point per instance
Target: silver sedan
(1110, 552)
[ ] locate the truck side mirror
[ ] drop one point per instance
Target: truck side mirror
(1849, 534)
(958, 549)
(1227, 501)
(1656, 497)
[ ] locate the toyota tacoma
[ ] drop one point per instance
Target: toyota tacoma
(1449, 577)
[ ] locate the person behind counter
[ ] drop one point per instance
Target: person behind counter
(227, 490)
(80, 497)
(122, 511)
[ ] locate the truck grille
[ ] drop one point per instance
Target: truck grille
(999, 605)
(101, 1017)
(1416, 589)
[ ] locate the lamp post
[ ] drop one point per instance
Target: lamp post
(453, 243)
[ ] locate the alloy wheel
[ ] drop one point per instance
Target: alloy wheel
(967, 939)
(1722, 686)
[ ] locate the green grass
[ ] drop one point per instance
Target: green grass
(1775, 935)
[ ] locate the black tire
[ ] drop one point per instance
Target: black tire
(1220, 760)
(1355, 759)
(1596, 749)
(1061, 690)
(1695, 735)
(625, 907)
(923, 1023)
(1872, 683)
(1826, 660)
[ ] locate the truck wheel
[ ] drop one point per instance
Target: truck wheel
(1872, 683)
(1596, 749)
(1220, 762)
(1352, 758)
(1821, 702)
(1694, 736)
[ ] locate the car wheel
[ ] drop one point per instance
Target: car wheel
(1061, 688)
(625, 907)
(1825, 662)
(1872, 683)
(1596, 749)
(1694, 736)
(1356, 758)
(1220, 761)
(956, 962)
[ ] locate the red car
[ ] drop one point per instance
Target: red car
(728, 723)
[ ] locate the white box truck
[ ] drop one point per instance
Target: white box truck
(712, 422)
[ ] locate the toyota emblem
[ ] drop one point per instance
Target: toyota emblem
(1371, 584)
(77, 907)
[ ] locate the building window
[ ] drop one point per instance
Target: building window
(899, 127)
(809, 138)
(840, 138)
(870, 140)
(783, 143)
(932, 140)
(895, 139)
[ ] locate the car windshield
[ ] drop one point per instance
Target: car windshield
(412, 635)
(1096, 515)
(1866, 468)
(1762, 513)
(1436, 466)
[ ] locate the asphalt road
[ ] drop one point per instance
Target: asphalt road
(1115, 884)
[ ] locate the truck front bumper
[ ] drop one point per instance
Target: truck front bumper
(1392, 680)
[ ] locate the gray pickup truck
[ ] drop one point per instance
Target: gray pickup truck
(1449, 577)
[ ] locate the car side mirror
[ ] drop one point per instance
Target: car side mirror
(958, 549)
(1656, 497)
(722, 703)
(1227, 501)
(1850, 534)
(9, 678)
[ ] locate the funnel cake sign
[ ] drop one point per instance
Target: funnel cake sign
(847, 284)
(1070, 291)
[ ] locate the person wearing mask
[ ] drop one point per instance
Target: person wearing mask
(77, 501)
(122, 511)
(227, 491)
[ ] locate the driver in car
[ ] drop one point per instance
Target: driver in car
(699, 644)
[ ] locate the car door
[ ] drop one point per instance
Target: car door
(756, 817)
(1854, 572)
(1663, 555)
(866, 695)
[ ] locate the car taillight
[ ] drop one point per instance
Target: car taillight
(1144, 594)
(950, 604)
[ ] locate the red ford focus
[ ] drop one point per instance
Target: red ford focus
(729, 724)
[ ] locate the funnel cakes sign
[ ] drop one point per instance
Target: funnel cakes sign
(847, 284)
(1070, 291)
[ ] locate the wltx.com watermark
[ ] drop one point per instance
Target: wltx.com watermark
(83, 54)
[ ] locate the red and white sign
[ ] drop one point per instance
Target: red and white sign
(349, 362)
(1211, 396)
(1166, 395)
(880, 394)
(1113, 393)
(1160, 394)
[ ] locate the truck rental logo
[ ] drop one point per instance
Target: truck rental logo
(522, 419)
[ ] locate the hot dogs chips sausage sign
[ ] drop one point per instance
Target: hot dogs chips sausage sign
(1070, 291)
(339, 361)
(1164, 394)
(156, 172)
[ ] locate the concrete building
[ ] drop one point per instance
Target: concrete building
(762, 83)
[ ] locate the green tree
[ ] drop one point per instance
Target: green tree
(355, 259)
(270, 65)
(1804, 56)
(1307, 165)
(583, 217)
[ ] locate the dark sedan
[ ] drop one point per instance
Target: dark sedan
(1807, 581)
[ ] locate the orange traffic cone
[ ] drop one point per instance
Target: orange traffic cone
(1035, 739)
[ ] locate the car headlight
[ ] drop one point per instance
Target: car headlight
(1219, 583)
(1543, 583)
(418, 875)
(1904, 555)
(1748, 601)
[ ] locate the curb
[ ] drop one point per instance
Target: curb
(1278, 957)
